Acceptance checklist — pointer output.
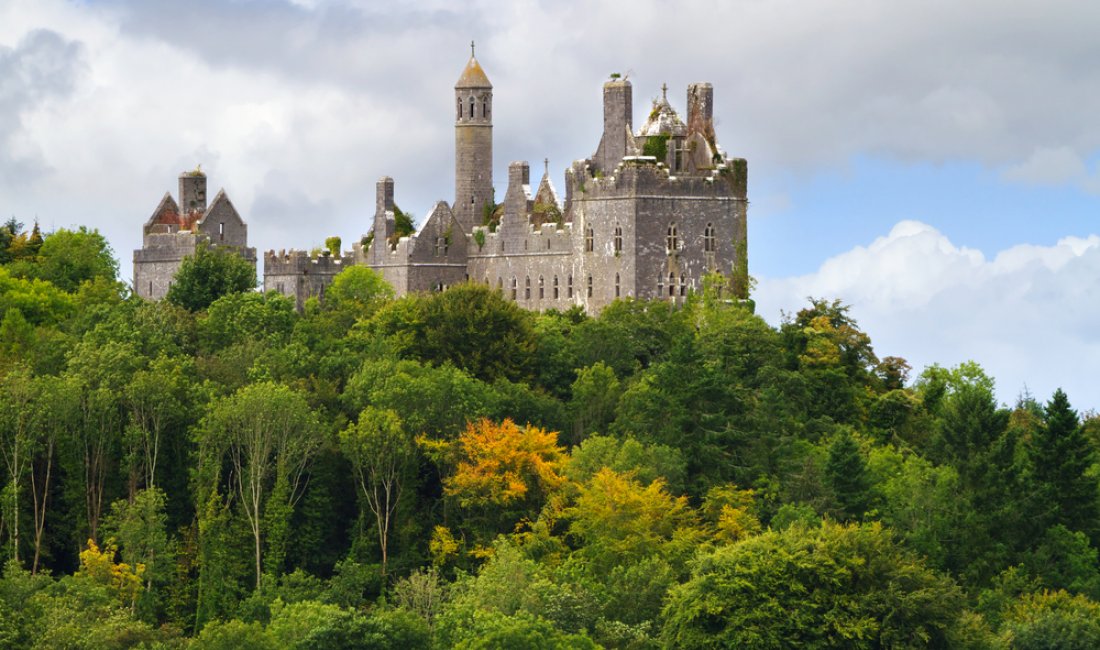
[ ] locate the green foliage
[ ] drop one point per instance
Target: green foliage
(470, 326)
(645, 463)
(1061, 458)
(38, 301)
(234, 635)
(358, 291)
(208, 275)
(238, 317)
(656, 146)
(829, 587)
(846, 471)
(68, 258)
(258, 470)
(332, 244)
(1053, 620)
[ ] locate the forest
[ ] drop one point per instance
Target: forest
(447, 470)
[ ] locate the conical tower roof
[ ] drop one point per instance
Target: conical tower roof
(473, 76)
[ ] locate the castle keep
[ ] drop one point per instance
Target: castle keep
(648, 215)
(175, 230)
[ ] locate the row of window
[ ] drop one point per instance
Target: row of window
(473, 104)
(675, 287)
(542, 287)
(672, 239)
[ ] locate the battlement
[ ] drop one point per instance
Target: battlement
(300, 262)
(637, 176)
(526, 239)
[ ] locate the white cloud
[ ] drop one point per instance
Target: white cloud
(297, 107)
(1028, 316)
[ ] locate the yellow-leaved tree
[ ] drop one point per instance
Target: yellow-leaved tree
(502, 474)
(121, 580)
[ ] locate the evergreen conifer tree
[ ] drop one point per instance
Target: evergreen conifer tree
(1061, 457)
(847, 473)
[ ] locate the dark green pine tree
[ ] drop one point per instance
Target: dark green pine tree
(1061, 456)
(847, 474)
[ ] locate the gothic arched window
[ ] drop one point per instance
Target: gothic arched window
(542, 288)
(589, 286)
(672, 241)
(515, 286)
(589, 240)
(527, 288)
(710, 243)
(570, 289)
(672, 284)
(617, 285)
(555, 287)
(618, 239)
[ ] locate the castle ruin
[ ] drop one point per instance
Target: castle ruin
(176, 230)
(648, 215)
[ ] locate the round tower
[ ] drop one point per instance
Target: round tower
(473, 144)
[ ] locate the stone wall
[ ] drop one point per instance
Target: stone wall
(300, 275)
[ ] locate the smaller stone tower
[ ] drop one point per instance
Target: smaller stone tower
(193, 192)
(473, 144)
(618, 111)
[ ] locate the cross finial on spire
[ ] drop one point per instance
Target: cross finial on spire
(664, 92)
(546, 166)
(471, 49)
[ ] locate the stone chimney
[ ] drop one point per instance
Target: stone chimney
(515, 200)
(700, 102)
(618, 103)
(383, 195)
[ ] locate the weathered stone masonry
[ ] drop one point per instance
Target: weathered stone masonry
(175, 230)
(648, 215)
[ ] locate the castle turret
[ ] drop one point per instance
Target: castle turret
(193, 192)
(473, 144)
(617, 140)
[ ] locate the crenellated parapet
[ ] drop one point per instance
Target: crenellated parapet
(303, 274)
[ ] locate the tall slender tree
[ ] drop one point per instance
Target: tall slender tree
(1061, 457)
(267, 436)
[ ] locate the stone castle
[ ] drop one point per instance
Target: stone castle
(647, 216)
(175, 230)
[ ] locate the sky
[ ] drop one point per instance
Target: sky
(935, 164)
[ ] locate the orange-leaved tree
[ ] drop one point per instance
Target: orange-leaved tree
(503, 471)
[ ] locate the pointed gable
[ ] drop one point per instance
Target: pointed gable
(222, 223)
(546, 208)
(165, 218)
